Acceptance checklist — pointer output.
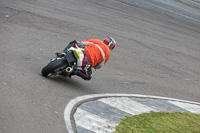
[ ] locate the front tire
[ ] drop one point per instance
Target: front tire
(51, 68)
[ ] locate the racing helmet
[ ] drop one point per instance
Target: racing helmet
(110, 42)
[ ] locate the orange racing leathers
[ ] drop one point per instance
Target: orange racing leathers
(97, 56)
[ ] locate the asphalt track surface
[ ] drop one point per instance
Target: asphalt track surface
(157, 54)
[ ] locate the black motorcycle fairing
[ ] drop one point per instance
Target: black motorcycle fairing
(69, 56)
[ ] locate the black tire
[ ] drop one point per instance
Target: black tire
(54, 65)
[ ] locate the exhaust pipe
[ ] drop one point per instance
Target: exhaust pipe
(68, 70)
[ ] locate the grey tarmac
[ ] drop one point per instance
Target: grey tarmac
(157, 54)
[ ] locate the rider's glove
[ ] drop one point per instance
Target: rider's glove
(80, 74)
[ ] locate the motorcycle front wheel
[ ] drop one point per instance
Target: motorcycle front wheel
(54, 66)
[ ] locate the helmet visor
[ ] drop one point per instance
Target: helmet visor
(112, 46)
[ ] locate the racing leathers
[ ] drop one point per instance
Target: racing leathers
(97, 51)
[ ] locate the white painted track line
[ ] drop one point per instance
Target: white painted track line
(190, 107)
(127, 105)
(85, 119)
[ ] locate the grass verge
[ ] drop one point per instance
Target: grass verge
(160, 122)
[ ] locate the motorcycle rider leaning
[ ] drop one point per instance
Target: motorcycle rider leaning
(97, 53)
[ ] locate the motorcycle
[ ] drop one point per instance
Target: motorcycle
(64, 63)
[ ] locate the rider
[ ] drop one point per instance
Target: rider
(98, 53)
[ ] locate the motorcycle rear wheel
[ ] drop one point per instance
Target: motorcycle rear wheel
(53, 66)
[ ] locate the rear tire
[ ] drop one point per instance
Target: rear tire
(53, 66)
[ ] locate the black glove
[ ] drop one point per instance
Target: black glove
(80, 74)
